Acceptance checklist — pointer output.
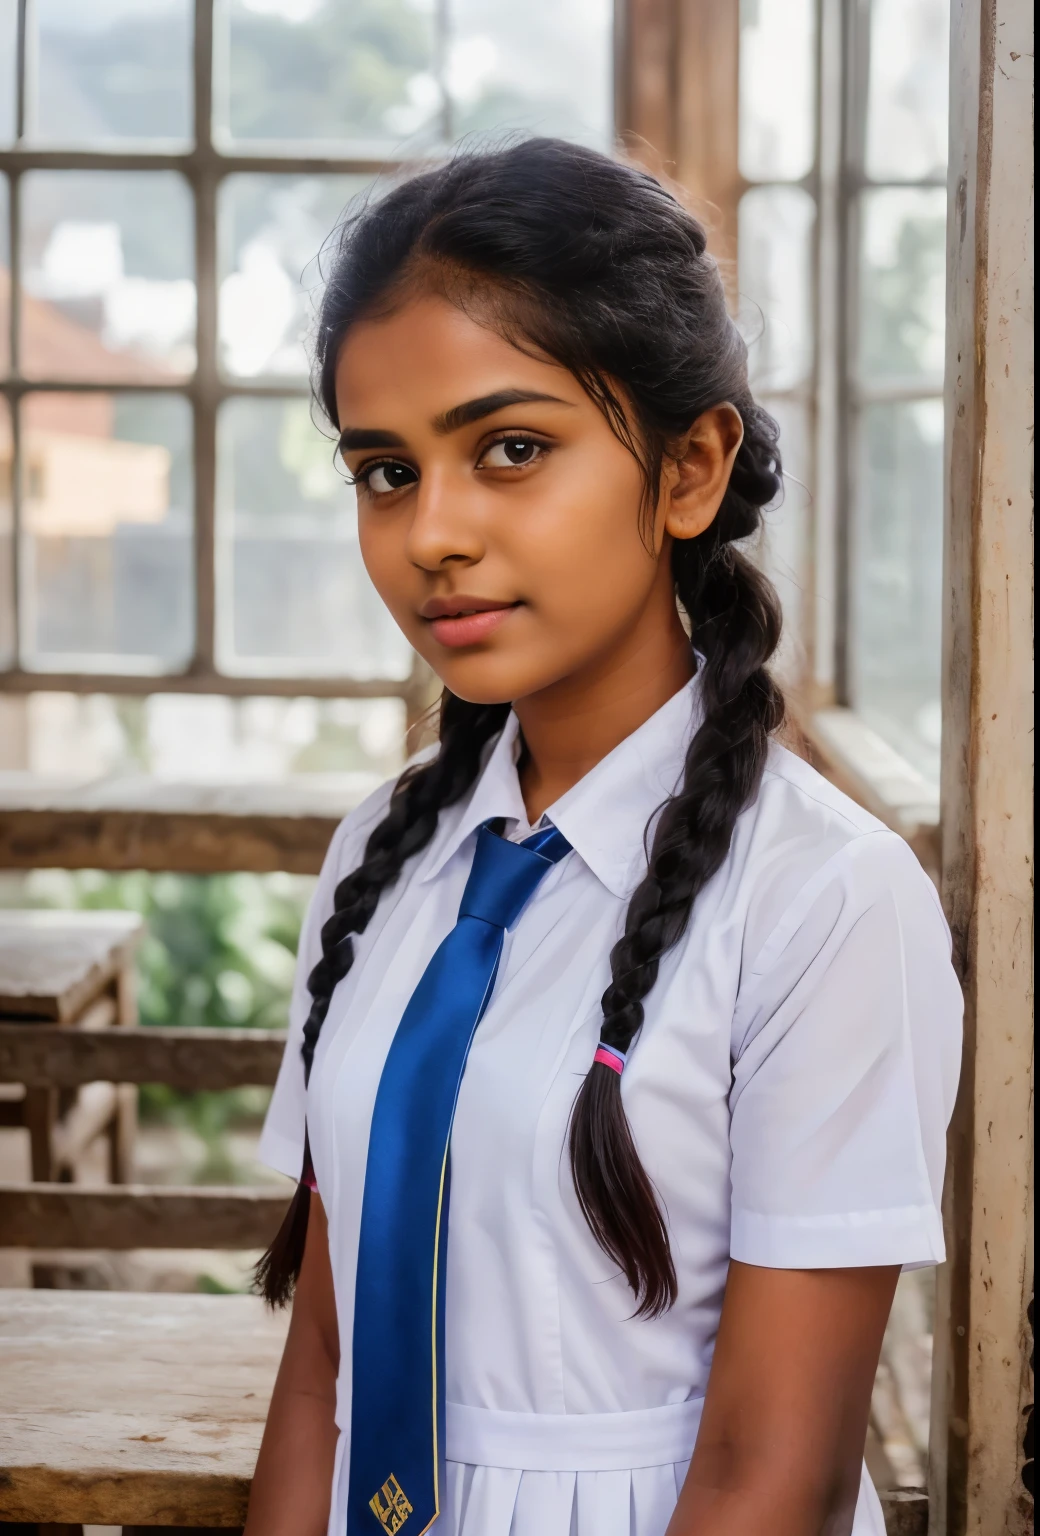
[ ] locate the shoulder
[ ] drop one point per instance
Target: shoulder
(810, 853)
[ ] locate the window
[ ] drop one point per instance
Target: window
(171, 521)
(842, 255)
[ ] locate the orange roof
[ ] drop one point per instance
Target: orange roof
(55, 347)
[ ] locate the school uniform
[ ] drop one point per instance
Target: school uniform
(788, 1095)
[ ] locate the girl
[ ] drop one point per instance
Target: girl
(686, 1013)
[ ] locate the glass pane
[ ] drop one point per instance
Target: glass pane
(903, 284)
(211, 737)
(907, 102)
(112, 69)
(6, 541)
(325, 70)
(107, 509)
(271, 229)
(896, 571)
(784, 551)
(8, 63)
(777, 88)
(108, 270)
(774, 241)
(5, 280)
(549, 71)
(293, 594)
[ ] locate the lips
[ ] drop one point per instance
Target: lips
(464, 620)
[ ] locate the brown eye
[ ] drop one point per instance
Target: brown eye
(512, 453)
(390, 476)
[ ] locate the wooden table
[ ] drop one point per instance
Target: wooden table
(118, 1408)
(73, 970)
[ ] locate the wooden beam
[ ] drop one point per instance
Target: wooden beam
(707, 121)
(982, 1386)
(139, 823)
(645, 75)
(138, 1216)
(49, 1056)
(678, 103)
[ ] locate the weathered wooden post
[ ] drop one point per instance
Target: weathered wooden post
(982, 1387)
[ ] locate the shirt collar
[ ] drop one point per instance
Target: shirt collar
(604, 816)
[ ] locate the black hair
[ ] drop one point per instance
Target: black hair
(590, 262)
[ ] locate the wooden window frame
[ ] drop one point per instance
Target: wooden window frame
(204, 165)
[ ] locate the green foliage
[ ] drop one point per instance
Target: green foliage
(220, 949)
(332, 75)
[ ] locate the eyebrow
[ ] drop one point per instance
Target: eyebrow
(475, 410)
(358, 438)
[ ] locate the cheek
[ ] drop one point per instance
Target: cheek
(382, 542)
(585, 546)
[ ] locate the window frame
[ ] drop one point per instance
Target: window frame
(204, 164)
(866, 763)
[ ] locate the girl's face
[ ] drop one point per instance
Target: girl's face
(499, 516)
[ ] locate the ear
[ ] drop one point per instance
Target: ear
(693, 490)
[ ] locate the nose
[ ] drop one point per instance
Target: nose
(445, 528)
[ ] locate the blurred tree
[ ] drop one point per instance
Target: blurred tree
(331, 76)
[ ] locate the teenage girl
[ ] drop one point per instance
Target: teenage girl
(712, 1027)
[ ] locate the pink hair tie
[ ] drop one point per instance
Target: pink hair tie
(610, 1056)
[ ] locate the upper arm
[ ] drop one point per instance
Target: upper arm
(781, 1440)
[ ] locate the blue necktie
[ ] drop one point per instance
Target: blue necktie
(397, 1409)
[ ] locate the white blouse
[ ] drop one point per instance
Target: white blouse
(788, 1094)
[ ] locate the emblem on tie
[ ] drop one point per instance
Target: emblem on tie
(395, 1511)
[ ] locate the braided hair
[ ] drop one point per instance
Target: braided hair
(592, 263)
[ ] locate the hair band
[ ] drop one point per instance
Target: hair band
(610, 1056)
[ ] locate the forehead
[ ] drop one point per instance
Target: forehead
(429, 355)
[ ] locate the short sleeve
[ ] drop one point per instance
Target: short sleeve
(282, 1139)
(846, 1058)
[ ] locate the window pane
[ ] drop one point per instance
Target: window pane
(777, 88)
(903, 284)
(5, 280)
(326, 70)
(6, 541)
(112, 69)
(909, 87)
(108, 271)
(8, 64)
(107, 509)
(210, 737)
(272, 228)
(293, 593)
(550, 72)
(774, 242)
(896, 570)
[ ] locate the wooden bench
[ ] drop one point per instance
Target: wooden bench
(70, 973)
(137, 1410)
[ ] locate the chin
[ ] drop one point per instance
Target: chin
(488, 679)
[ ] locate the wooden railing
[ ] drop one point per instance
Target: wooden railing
(119, 1217)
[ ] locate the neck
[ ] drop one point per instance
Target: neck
(569, 727)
